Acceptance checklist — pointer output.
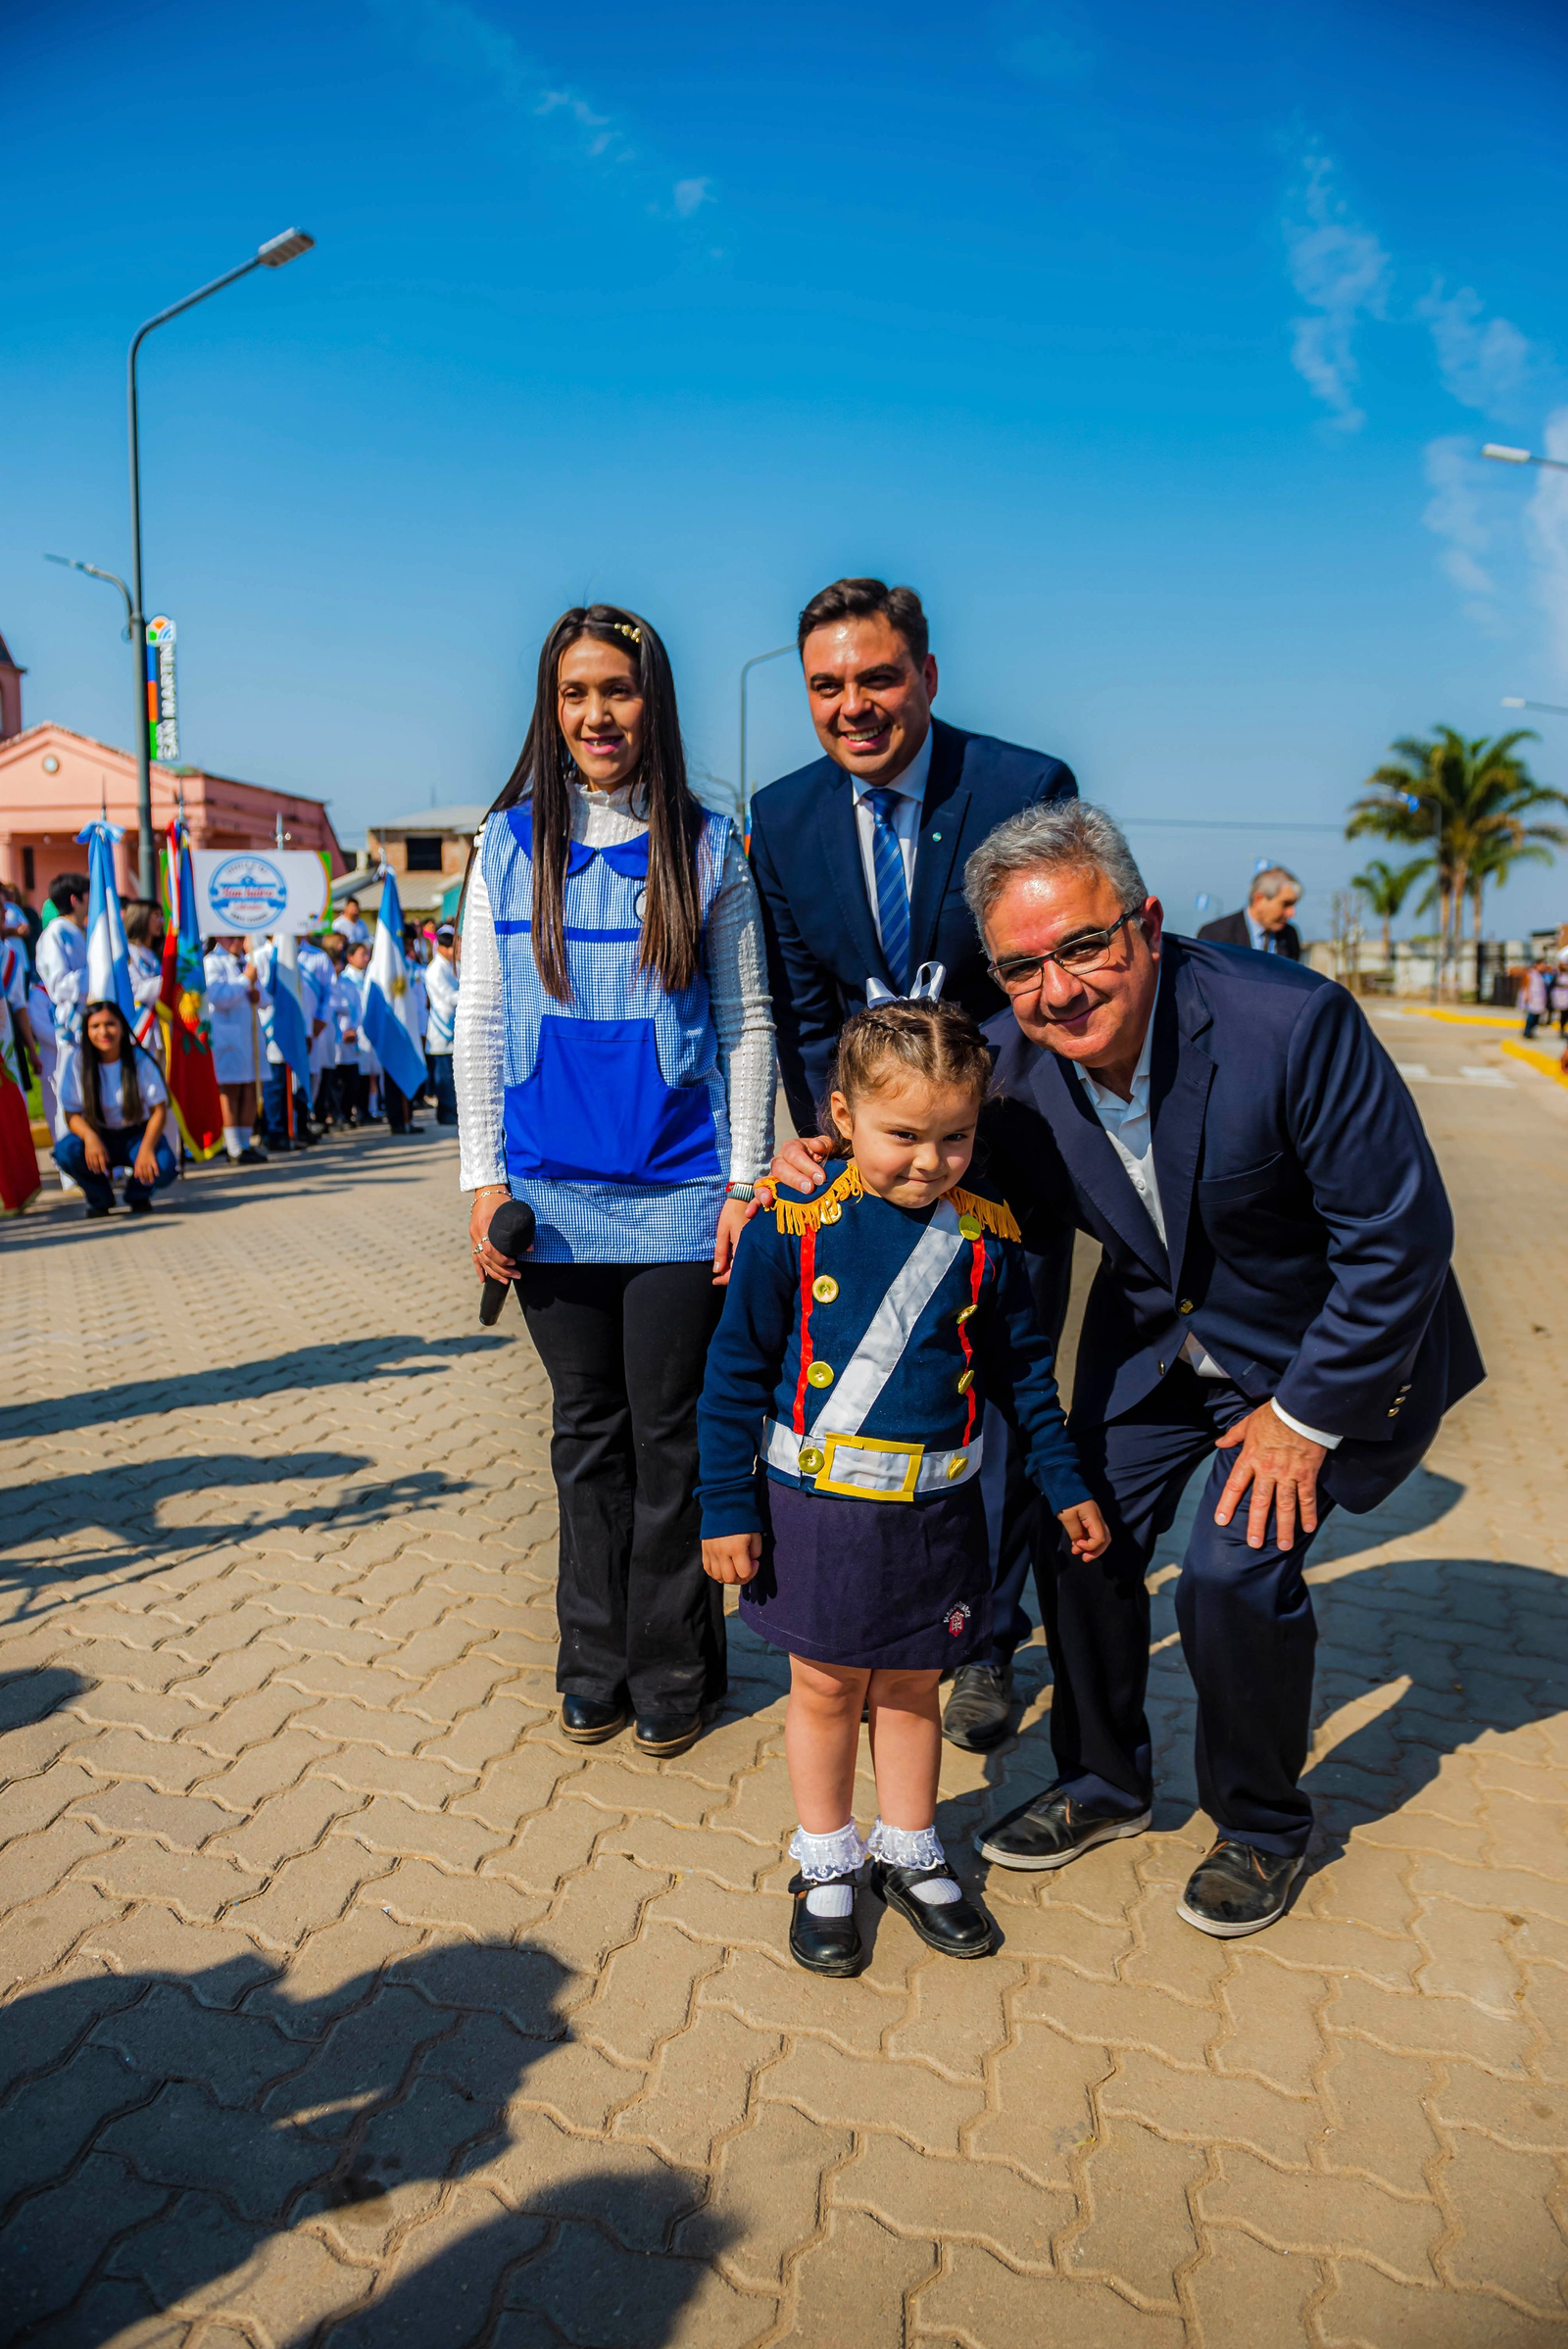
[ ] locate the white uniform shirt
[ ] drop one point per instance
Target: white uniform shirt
(232, 1018)
(149, 1082)
(905, 812)
(62, 963)
(355, 932)
(1129, 1130)
(441, 986)
(146, 976)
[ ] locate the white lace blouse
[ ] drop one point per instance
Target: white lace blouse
(734, 962)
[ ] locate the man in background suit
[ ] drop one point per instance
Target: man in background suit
(1274, 1294)
(858, 860)
(1266, 925)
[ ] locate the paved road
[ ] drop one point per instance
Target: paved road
(346, 2003)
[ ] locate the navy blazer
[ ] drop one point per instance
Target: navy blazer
(1230, 930)
(1308, 1230)
(821, 939)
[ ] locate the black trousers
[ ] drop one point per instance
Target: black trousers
(625, 1345)
(1245, 1617)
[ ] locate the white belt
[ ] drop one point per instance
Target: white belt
(868, 1467)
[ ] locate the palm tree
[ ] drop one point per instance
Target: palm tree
(1466, 801)
(1384, 888)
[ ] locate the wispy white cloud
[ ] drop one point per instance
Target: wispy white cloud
(690, 195)
(1484, 362)
(1454, 513)
(1340, 269)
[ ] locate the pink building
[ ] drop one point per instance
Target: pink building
(53, 782)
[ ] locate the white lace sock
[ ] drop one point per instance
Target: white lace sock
(232, 1141)
(915, 1847)
(820, 1858)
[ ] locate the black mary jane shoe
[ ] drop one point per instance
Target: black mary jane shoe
(660, 1735)
(589, 1720)
(1237, 1890)
(955, 1927)
(825, 1944)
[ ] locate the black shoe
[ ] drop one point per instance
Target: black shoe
(250, 1155)
(978, 1713)
(662, 1733)
(94, 1214)
(140, 1206)
(589, 1720)
(955, 1927)
(1237, 1889)
(1051, 1828)
(825, 1944)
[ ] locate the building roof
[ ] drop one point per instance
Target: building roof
(6, 660)
(432, 819)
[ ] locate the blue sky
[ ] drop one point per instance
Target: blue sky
(1153, 345)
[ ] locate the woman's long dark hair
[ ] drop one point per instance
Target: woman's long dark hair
(672, 921)
(92, 1097)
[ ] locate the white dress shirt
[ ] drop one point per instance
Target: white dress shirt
(1129, 1130)
(905, 813)
(1264, 941)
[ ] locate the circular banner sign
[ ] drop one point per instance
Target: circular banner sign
(247, 893)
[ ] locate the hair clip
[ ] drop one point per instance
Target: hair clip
(621, 628)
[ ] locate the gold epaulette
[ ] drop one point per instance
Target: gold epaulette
(992, 1214)
(810, 1215)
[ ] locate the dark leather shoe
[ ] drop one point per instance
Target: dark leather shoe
(825, 1944)
(979, 1711)
(665, 1734)
(1237, 1889)
(955, 1927)
(1051, 1828)
(589, 1720)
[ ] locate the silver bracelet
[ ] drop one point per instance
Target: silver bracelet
(740, 1190)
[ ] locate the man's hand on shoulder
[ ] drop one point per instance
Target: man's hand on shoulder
(801, 1163)
(1282, 1468)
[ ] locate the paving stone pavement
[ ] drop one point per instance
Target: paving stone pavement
(346, 2003)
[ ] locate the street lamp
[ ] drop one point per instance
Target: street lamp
(1506, 455)
(270, 256)
(747, 666)
(1512, 701)
(93, 572)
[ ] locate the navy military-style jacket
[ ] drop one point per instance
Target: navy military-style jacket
(858, 1345)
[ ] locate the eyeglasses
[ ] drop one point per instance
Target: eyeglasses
(1089, 951)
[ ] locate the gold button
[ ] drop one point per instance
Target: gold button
(969, 1226)
(965, 1381)
(1163, 1370)
(820, 1374)
(964, 1314)
(957, 1466)
(831, 1210)
(824, 1288)
(1395, 1413)
(813, 1457)
(1186, 1305)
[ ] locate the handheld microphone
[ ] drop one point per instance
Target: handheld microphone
(511, 1234)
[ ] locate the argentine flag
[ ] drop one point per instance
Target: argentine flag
(108, 973)
(388, 1005)
(283, 1019)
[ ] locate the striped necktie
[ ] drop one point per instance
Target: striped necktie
(892, 889)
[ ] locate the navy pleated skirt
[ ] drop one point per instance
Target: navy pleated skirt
(898, 1585)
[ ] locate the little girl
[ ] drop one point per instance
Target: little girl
(864, 1328)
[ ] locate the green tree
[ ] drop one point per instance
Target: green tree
(1469, 803)
(1385, 887)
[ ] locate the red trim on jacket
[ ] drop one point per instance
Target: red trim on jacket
(808, 1275)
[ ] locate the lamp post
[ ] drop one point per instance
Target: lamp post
(1500, 452)
(93, 572)
(1441, 958)
(1512, 701)
(270, 256)
(747, 666)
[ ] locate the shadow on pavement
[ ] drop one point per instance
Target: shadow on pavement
(124, 1502)
(344, 1362)
(161, 2135)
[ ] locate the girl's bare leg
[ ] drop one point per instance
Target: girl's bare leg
(822, 1735)
(906, 1746)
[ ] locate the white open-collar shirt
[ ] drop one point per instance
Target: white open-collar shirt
(1129, 1130)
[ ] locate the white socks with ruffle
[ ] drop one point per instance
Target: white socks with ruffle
(820, 1858)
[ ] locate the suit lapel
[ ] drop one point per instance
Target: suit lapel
(942, 816)
(1092, 1161)
(1180, 1073)
(841, 857)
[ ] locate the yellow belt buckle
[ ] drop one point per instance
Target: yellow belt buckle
(910, 1454)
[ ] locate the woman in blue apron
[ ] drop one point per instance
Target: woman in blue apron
(613, 1063)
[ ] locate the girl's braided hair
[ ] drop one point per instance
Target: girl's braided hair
(940, 1043)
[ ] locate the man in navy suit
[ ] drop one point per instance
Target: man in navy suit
(1275, 1293)
(858, 860)
(859, 856)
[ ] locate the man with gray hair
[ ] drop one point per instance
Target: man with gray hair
(1266, 925)
(1274, 1296)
